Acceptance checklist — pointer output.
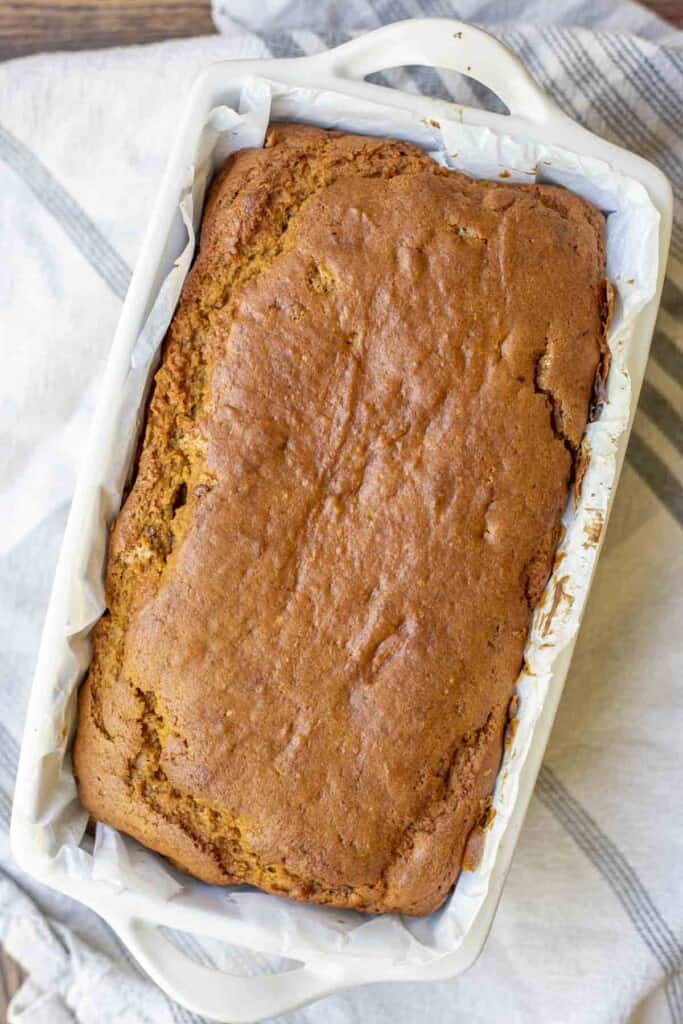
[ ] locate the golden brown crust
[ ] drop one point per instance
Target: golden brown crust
(356, 459)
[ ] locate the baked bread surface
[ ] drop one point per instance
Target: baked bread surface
(356, 458)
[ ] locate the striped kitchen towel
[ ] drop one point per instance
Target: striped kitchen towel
(590, 928)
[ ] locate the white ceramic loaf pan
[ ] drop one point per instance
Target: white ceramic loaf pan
(136, 916)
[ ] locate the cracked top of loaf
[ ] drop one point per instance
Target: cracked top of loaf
(357, 453)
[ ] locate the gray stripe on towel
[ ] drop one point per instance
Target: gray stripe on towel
(662, 413)
(621, 877)
(83, 232)
(656, 474)
(9, 752)
(667, 354)
(646, 81)
(5, 809)
(672, 298)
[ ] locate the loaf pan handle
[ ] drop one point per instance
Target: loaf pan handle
(444, 43)
(211, 992)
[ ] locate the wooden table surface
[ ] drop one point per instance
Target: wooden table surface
(32, 26)
(29, 26)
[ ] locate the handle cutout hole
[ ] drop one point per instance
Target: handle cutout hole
(444, 84)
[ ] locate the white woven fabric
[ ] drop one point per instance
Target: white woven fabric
(591, 923)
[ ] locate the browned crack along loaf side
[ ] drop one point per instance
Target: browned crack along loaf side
(356, 458)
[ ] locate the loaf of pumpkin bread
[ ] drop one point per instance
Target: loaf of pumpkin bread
(357, 454)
